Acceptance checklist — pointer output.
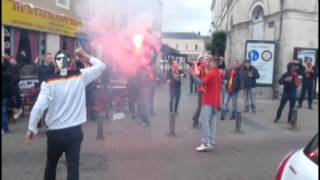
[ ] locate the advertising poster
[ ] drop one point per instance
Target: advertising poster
(262, 55)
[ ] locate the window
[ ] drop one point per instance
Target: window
(186, 46)
(63, 3)
(257, 13)
(177, 46)
(258, 23)
(196, 47)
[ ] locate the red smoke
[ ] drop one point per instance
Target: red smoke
(125, 50)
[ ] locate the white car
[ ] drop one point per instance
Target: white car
(300, 165)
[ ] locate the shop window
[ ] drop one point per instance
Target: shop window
(7, 42)
(196, 47)
(24, 46)
(186, 46)
(177, 46)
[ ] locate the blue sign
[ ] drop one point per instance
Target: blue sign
(253, 55)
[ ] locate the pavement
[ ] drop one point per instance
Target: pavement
(131, 152)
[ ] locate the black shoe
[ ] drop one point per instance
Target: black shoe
(276, 120)
(232, 117)
(299, 106)
(246, 110)
(310, 107)
(196, 125)
(222, 118)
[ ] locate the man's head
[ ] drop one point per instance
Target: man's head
(23, 53)
(213, 64)
(174, 64)
(62, 61)
(235, 64)
(247, 64)
(13, 60)
(48, 59)
(308, 60)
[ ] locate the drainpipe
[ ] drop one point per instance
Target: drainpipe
(278, 48)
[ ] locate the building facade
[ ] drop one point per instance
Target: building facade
(289, 23)
(38, 27)
(190, 44)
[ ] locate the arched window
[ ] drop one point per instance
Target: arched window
(257, 13)
(258, 23)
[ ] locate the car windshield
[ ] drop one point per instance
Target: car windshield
(312, 149)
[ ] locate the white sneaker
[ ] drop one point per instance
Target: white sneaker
(211, 146)
(17, 113)
(203, 147)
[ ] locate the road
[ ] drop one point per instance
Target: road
(131, 152)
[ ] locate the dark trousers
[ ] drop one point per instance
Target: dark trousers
(196, 115)
(291, 96)
(66, 141)
(191, 85)
(17, 98)
(306, 87)
(152, 91)
(174, 99)
(144, 104)
(132, 103)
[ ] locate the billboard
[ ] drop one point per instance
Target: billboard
(262, 56)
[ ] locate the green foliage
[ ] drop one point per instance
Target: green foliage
(218, 43)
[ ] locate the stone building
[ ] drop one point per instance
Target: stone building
(190, 44)
(289, 23)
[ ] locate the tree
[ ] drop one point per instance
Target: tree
(218, 43)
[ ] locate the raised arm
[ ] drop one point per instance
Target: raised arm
(93, 72)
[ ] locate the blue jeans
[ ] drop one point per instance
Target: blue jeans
(5, 117)
(208, 124)
(250, 95)
(234, 97)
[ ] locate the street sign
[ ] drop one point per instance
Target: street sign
(261, 55)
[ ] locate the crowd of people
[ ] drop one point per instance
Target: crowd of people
(64, 87)
(216, 84)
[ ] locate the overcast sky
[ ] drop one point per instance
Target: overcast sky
(186, 16)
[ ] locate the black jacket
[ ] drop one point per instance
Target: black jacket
(174, 83)
(236, 81)
(44, 71)
(308, 77)
(288, 86)
(7, 79)
(246, 81)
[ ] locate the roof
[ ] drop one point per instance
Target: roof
(180, 35)
(166, 50)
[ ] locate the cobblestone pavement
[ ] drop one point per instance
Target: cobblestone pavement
(131, 152)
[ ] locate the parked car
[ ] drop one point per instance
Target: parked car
(302, 164)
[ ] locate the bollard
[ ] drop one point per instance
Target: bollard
(100, 135)
(172, 125)
(294, 120)
(238, 122)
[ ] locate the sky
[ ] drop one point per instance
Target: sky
(186, 16)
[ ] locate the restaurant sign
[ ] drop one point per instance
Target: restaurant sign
(18, 14)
